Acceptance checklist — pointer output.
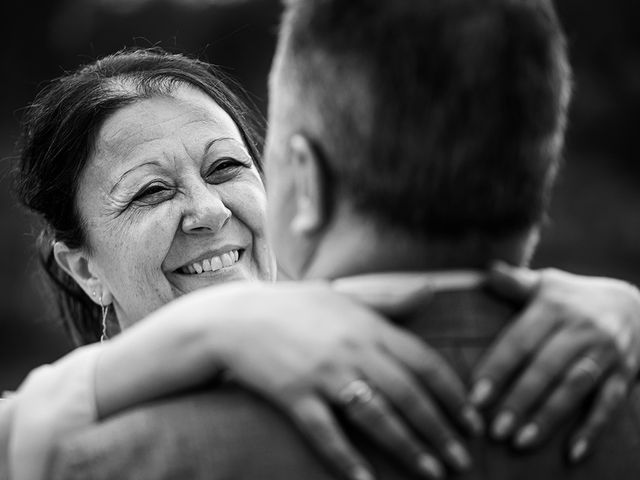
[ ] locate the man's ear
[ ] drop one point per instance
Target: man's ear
(75, 262)
(308, 187)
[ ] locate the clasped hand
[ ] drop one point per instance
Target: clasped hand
(577, 339)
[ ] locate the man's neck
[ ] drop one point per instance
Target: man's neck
(354, 246)
(452, 309)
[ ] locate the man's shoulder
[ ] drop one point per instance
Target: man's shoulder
(461, 326)
(207, 434)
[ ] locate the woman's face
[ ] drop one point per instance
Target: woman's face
(171, 202)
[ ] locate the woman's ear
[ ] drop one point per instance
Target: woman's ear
(308, 188)
(76, 264)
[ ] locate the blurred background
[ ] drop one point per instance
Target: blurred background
(595, 218)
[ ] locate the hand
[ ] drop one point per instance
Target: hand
(578, 339)
(307, 349)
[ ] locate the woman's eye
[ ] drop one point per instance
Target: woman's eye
(224, 170)
(152, 194)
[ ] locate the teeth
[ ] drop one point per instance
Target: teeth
(216, 263)
(213, 264)
(226, 260)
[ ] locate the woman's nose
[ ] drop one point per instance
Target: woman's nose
(206, 212)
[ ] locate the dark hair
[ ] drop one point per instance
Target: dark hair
(58, 137)
(444, 118)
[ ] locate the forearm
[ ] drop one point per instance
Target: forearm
(180, 346)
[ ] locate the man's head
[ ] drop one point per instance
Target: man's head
(441, 120)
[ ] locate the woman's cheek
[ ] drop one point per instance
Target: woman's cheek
(154, 237)
(135, 252)
(147, 235)
(250, 206)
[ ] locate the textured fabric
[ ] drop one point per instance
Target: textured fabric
(230, 434)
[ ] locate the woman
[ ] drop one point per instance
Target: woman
(146, 170)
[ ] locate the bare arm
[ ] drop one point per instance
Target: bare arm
(301, 346)
(298, 345)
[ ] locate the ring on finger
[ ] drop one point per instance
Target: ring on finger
(356, 392)
(590, 368)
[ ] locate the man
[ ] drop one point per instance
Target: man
(405, 136)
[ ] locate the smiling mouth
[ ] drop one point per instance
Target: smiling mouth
(213, 264)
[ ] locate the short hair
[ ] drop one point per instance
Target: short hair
(58, 137)
(444, 118)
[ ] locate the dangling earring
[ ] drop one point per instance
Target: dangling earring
(105, 311)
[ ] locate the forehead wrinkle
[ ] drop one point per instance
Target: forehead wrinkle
(120, 142)
(147, 119)
(159, 128)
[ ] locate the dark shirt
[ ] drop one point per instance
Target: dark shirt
(230, 434)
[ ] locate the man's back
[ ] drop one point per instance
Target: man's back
(231, 434)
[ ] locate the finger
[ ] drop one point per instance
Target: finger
(609, 398)
(510, 353)
(318, 425)
(401, 293)
(435, 374)
(515, 283)
(387, 294)
(535, 382)
(418, 409)
(370, 413)
(578, 383)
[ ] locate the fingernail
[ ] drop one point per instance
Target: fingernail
(430, 466)
(481, 392)
(527, 435)
(459, 455)
(579, 449)
(503, 425)
(473, 420)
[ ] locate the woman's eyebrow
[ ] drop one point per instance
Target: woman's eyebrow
(131, 170)
(211, 143)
